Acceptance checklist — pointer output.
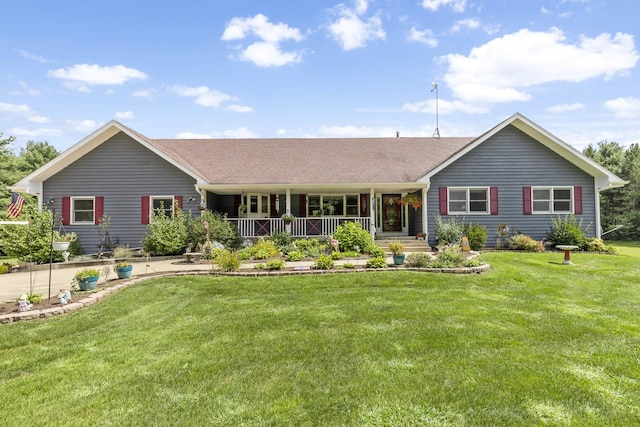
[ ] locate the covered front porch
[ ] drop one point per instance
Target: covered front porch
(315, 211)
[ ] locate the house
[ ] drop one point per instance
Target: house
(516, 173)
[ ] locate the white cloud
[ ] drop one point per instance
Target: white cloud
(31, 56)
(266, 52)
(501, 70)
(351, 31)
(145, 93)
(433, 5)
(35, 133)
(469, 23)
(79, 77)
(624, 108)
(281, 132)
(425, 37)
(25, 90)
(565, 108)
(81, 126)
(23, 111)
(203, 95)
(125, 115)
(444, 107)
(239, 108)
(239, 133)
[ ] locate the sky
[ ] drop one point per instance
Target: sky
(322, 69)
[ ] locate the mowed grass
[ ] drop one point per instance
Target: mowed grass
(532, 342)
(627, 248)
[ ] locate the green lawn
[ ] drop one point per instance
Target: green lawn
(532, 342)
(627, 248)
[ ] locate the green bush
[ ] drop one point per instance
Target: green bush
(376, 252)
(282, 240)
(275, 264)
(449, 256)
(567, 231)
(311, 247)
(376, 262)
(167, 235)
(348, 265)
(220, 230)
(324, 262)
(351, 235)
(263, 249)
(477, 235)
(449, 232)
(295, 256)
(473, 262)
(598, 245)
(336, 255)
(525, 243)
(17, 241)
(418, 259)
(226, 261)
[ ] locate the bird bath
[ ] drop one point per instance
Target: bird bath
(567, 252)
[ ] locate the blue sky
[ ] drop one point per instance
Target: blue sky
(252, 68)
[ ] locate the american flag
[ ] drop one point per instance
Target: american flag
(15, 207)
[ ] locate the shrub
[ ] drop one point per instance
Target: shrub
(376, 252)
(260, 266)
(376, 262)
(351, 235)
(264, 249)
(449, 232)
(226, 261)
(220, 230)
(167, 234)
(418, 259)
(275, 264)
(311, 247)
(473, 262)
(282, 239)
(477, 235)
(324, 262)
(598, 245)
(336, 255)
(567, 231)
(449, 256)
(525, 243)
(295, 256)
(348, 265)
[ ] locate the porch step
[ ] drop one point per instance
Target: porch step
(411, 244)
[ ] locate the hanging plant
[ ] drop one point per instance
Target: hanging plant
(412, 200)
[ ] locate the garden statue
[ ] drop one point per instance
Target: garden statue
(64, 296)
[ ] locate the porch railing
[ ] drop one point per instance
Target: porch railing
(300, 227)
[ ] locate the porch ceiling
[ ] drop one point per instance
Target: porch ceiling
(310, 188)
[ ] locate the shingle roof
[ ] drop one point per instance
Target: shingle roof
(311, 161)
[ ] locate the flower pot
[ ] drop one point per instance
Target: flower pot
(88, 284)
(60, 246)
(124, 272)
(398, 259)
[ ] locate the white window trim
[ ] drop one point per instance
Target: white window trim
(344, 204)
(468, 201)
(551, 200)
(152, 198)
(72, 211)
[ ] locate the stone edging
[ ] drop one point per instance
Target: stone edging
(95, 297)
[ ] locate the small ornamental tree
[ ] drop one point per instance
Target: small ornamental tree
(167, 234)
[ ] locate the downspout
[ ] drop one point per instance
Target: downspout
(372, 213)
(598, 224)
(203, 196)
(425, 213)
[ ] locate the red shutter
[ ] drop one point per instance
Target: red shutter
(144, 216)
(577, 200)
(303, 205)
(526, 197)
(444, 202)
(98, 209)
(493, 197)
(66, 210)
(178, 202)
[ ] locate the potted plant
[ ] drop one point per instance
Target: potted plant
(87, 278)
(412, 200)
(397, 249)
(123, 266)
(62, 241)
(288, 218)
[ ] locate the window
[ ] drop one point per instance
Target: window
(162, 205)
(552, 199)
(468, 200)
(321, 205)
(82, 210)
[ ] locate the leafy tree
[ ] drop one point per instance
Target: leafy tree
(35, 155)
(8, 171)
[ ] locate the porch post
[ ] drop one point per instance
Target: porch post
(372, 212)
(287, 206)
(425, 214)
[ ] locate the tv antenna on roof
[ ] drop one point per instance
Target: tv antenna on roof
(436, 133)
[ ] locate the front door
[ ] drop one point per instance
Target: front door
(391, 212)
(258, 206)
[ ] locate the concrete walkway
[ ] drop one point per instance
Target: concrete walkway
(12, 285)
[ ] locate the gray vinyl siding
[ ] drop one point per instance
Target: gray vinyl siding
(511, 160)
(122, 171)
